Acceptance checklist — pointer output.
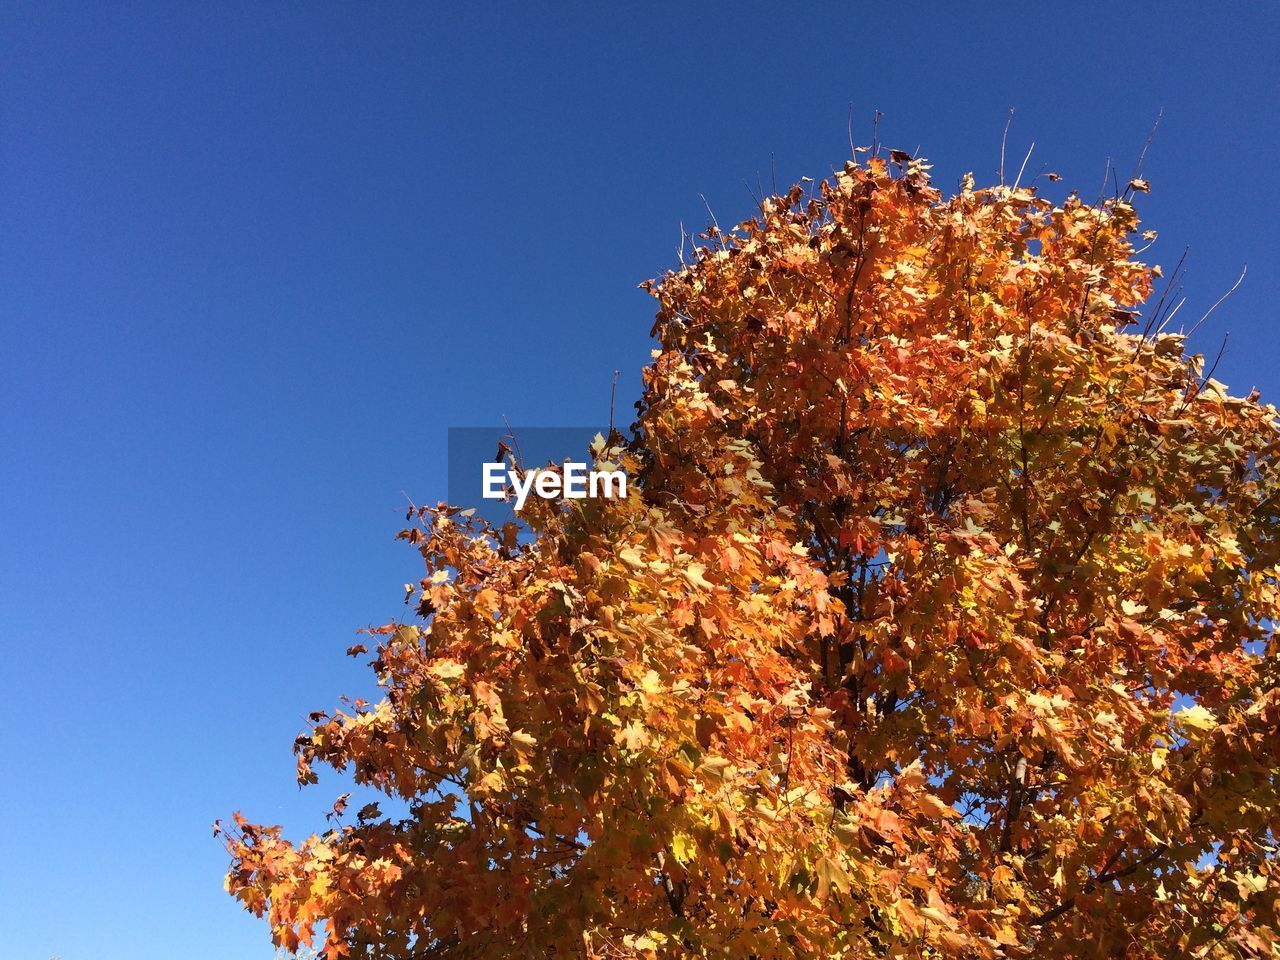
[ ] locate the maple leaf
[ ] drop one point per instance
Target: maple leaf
(1195, 718)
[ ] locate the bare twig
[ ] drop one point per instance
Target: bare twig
(1150, 136)
(1216, 360)
(613, 395)
(714, 222)
(1022, 168)
(1157, 323)
(1218, 302)
(511, 435)
(1003, 140)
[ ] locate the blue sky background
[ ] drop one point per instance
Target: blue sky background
(256, 258)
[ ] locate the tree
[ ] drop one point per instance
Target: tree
(937, 622)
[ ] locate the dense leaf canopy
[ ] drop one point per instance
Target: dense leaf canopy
(937, 622)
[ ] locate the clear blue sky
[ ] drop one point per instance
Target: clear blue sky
(256, 258)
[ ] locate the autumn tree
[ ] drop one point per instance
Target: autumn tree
(938, 621)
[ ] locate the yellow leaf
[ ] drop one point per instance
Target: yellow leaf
(633, 736)
(933, 807)
(694, 574)
(448, 669)
(912, 775)
(831, 876)
(936, 915)
(1247, 884)
(631, 557)
(1197, 718)
(683, 847)
(715, 767)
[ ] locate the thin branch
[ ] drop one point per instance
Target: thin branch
(613, 395)
(714, 222)
(1218, 302)
(1022, 168)
(1156, 324)
(1216, 360)
(1150, 136)
(1003, 140)
(1103, 188)
(515, 442)
(1101, 879)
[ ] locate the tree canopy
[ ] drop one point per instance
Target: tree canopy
(937, 621)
